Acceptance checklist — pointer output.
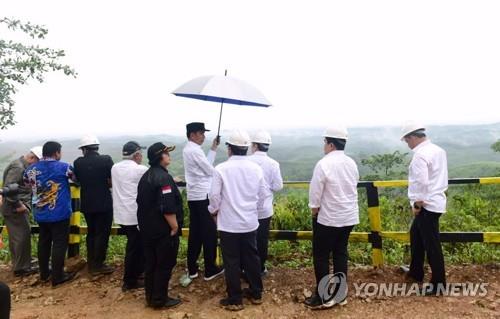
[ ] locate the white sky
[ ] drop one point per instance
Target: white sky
(366, 63)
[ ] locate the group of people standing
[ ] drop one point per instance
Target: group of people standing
(232, 201)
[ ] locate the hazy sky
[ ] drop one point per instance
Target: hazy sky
(361, 62)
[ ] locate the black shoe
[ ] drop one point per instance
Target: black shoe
(67, 277)
(230, 305)
(172, 302)
(103, 270)
(45, 278)
(254, 299)
(137, 285)
(210, 276)
(26, 272)
(316, 303)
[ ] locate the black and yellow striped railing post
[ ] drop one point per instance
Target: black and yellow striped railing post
(75, 223)
(375, 225)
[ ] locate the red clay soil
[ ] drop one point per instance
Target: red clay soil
(285, 289)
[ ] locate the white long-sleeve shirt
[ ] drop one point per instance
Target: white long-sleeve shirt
(237, 193)
(428, 177)
(126, 176)
(198, 171)
(333, 190)
(272, 176)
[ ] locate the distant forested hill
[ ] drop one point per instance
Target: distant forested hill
(468, 148)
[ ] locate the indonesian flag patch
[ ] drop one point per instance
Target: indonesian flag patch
(166, 189)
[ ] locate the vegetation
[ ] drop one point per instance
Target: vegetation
(496, 146)
(470, 207)
(21, 62)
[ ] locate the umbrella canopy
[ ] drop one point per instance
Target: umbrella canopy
(222, 89)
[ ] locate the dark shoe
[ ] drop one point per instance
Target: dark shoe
(172, 302)
(103, 270)
(211, 276)
(254, 299)
(26, 272)
(264, 272)
(316, 303)
(137, 285)
(410, 279)
(67, 277)
(45, 278)
(231, 306)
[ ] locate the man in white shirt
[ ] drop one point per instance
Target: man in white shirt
(198, 170)
(333, 199)
(274, 182)
(126, 176)
(236, 196)
(427, 184)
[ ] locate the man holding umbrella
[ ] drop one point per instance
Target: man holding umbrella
(202, 230)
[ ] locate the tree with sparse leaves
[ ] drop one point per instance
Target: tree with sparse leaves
(385, 165)
(496, 146)
(20, 63)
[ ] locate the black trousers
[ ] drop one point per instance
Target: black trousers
(240, 249)
(98, 231)
(329, 241)
(424, 238)
(134, 255)
(161, 258)
(263, 241)
(52, 246)
(202, 233)
(4, 301)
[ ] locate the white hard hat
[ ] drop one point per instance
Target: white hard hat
(239, 138)
(261, 137)
(88, 140)
(409, 127)
(336, 131)
(38, 151)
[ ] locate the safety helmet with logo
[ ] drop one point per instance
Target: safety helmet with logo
(88, 140)
(239, 138)
(37, 151)
(261, 137)
(336, 131)
(410, 127)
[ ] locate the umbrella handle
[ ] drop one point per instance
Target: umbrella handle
(220, 119)
(220, 115)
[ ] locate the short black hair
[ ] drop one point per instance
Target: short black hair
(262, 147)
(418, 133)
(188, 134)
(91, 147)
(338, 142)
(50, 149)
(238, 150)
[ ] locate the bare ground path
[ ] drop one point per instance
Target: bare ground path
(284, 290)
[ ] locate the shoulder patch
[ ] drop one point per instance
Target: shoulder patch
(166, 189)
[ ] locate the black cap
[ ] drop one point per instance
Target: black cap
(131, 147)
(156, 150)
(196, 127)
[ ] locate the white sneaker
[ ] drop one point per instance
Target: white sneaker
(220, 273)
(193, 276)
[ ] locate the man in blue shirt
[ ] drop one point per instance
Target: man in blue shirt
(49, 181)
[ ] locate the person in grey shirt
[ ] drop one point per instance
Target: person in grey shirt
(16, 209)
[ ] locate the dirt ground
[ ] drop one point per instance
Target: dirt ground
(102, 297)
